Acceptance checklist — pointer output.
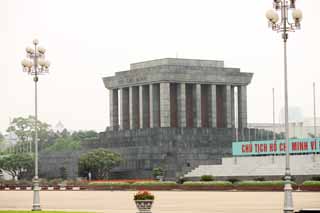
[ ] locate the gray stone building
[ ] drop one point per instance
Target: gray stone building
(174, 113)
(177, 93)
(171, 113)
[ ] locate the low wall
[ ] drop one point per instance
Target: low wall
(177, 150)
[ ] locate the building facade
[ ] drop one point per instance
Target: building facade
(171, 113)
(178, 93)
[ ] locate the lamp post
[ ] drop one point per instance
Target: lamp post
(273, 122)
(35, 65)
(285, 26)
(314, 110)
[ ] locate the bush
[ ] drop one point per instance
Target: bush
(8, 182)
(43, 182)
(155, 183)
(25, 182)
(233, 180)
(74, 182)
(206, 178)
(316, 178)
(98, 162)
(262, 183)
(181, 180)
(259, 179)
(207, 183)
(311, 183)
(55, 182)
(63, 172)
(157, 171)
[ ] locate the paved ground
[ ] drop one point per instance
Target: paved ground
(166, 201)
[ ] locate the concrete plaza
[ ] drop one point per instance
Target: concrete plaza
(166, 201)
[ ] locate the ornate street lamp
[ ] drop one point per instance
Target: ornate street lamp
(285, 26)
(35, 65)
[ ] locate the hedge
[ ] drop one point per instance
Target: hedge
(262, 183)
(155, 183)
(207, 183)
(311, 183)
(109, 184)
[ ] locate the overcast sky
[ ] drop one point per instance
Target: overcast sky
(87, 40)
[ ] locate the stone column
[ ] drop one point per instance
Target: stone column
(144, 106)
(114, 113)
(134, 107)
(154, 96)
(232, 108)
(242, 106)
(197, 105)
(124, 108)
(182, 105)
(165, 104)
(213, 106)
(228, 106)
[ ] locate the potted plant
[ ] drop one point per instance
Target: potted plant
(144, 200)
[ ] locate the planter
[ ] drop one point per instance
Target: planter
(310, 188)
(144, 206)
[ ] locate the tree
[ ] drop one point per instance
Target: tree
(157, 171)
(82, 135)
(17, 165)
(24, 129)
(2, 142)
(98, 162)
(63, 144)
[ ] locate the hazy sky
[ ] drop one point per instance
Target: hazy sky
(87, 40)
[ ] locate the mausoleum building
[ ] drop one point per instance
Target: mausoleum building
(178, 93)
(171, 113)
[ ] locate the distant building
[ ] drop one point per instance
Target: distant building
(303, 129)
(11, 138)
(59, 127)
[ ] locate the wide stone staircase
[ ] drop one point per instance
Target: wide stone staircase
(260, 166)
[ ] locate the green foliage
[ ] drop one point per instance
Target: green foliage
(181, 180)
(8, 182)
(311, 183)
(55, 182)
(157, 171)
(262, 183)
(18, 165)
(63, 172)
(259, 179)
(64, 144)
(206, 178)
(99, 162)
(24, 129)
(1, 137)
(82, 135)
(207, 183)
(24, 182)
(316, 178)
(109, 184)
(2, 142)
(233, 180)
(155, 183)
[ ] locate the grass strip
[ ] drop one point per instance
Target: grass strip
(207, 183)
(262, 183)
(311, 183)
